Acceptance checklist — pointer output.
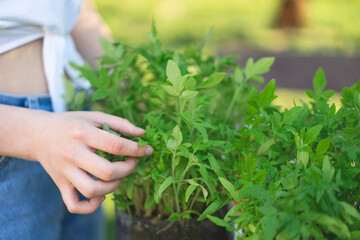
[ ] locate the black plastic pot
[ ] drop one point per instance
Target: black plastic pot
(135, 228)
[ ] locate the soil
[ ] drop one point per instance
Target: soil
(135, 228)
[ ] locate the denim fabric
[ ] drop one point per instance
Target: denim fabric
(31, 206)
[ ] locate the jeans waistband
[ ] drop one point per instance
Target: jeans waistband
(28, 101)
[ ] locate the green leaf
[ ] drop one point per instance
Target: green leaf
(260, 177)
(170, 144)
(303, 158)
(213, 80)
(104, 77)
(174, 217)
(355, 235)
(163, 186)
(319, 81)
(312, 133)
(142, 142)
(192, 182)
(110, 50)
(336, 226)
(265, 146)
(204, 192)
(149, 202)
(229, 187)
(267, 209)
(130, 184)
(323, 146)
(184, 151)
(222, 223)
(328, 170)
(292, 115)
(258, 192)
(204, 173)
(100, 94)
(250, 165)
(232, 212)
(127, 61)
(89, 75)
(172, 71)
(193, 159)
(80, 99)
(107, 129)
(190, 83)
(310, 93)
(189, 94)
(178, 137)
(258, 136)
(271, 225)
(170, 90)
(202, 131)
(213, 207)
(238, 76)
(328, 94)
(351, 210)
(215, 166)
(267, 95)
(261, 66)
(189, 191)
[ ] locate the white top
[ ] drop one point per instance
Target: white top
(23, 21)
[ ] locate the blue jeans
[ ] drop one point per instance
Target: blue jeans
(31, 206)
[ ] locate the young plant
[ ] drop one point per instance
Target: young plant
(191, 106)
(299, 168)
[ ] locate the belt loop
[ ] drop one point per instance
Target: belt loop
(33, 102)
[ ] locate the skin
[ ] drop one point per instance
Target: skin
(65, 143)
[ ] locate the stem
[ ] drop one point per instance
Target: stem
(165, 228)
(179, 110)
(176, 198)
(175, 187)
(178, 205)
(194, 199)
(233, 100)
(128, 210)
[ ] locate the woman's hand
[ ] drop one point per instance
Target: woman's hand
(65, 145)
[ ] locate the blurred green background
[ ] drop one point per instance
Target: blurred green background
(329, 27)
(302, 27)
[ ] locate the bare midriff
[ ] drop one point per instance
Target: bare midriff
(22, 70)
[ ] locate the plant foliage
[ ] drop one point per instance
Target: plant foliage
(218, 139)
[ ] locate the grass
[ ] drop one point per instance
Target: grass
(331, 26)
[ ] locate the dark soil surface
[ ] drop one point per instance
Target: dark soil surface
(134, 228)
(293, 71)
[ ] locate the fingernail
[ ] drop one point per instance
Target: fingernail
(140, 129)
(137, 161)
(149, 150)
(102, 199)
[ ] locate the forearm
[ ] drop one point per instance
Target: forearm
(87, 31)
(18, 130)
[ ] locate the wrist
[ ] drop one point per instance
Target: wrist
(19, 128)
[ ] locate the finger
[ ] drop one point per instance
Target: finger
(104, 169)
(110, 143)
(73, 203)
(117, 124)
(88, 186)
